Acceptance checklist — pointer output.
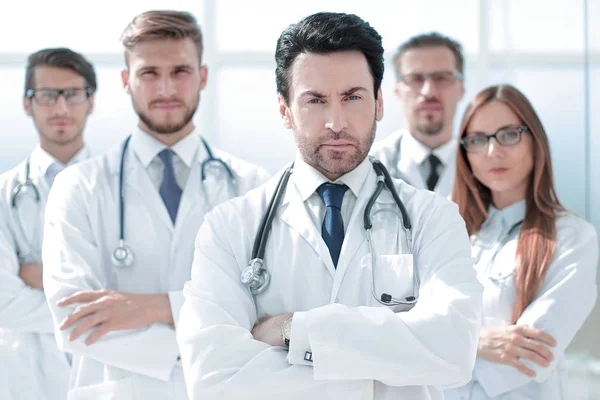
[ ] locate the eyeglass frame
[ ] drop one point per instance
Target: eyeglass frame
(30, 94)
(520, 129)
(427, 75)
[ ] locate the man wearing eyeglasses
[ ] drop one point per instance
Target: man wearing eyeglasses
(429, 83)
(59, 95)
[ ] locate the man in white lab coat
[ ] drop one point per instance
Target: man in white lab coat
(317, 330)
(429, 82)
(120, 229)
(59, 95)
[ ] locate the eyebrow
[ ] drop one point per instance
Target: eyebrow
(497, 130)
(314, 93)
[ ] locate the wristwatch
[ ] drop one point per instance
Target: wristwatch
(286, 331)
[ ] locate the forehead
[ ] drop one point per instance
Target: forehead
(163, 53)
(54, 77)
(330, 73)
(492, 116)
(428, 59)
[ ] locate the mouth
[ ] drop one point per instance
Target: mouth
(430, 107)
(499, 170)
(61, 122)
(337, 144)
(166, 106)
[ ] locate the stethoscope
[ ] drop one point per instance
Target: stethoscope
(20, 189)
(122, 255)
(257, 278)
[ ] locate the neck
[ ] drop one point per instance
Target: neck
(63, 153)
(501, 200)
(434, 141)
(169, 139)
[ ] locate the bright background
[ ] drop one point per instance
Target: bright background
(550, 49)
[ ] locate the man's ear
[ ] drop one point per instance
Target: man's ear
(285, 112)
(27, 106)
(379, 105)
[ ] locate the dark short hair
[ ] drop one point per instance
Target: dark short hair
(162, 24)
(325, 33)
(428, 40)
(60, 58)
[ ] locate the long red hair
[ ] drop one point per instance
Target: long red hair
(537, 240)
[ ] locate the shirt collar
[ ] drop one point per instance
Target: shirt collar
(43, 163)
(413, 149)
(307, 179)
(147, 147)
(510, 215)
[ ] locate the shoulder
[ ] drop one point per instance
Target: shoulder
(389, 144)
(242, 168)
(93, 173)
(8, 178)
(573, 231)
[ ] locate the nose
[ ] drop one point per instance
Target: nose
(337, 119)
(61, 107)
(495, 149)
(429, 88)
(166, 86)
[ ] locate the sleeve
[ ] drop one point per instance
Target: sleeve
(22, 308)
(72, 263)
(566, 299)
(341, 338)
(348, 344)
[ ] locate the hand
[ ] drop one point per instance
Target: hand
(506, 345)
(32, 275)
(108, 310)
(268, 330)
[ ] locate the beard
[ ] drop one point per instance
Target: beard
(167, 127)
(329, 160)
(430, 129)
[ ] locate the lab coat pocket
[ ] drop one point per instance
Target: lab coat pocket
(394, 276)
(110, 390)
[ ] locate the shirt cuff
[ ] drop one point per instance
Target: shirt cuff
(300, 352)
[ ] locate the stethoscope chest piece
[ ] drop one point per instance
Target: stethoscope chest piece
(122, 255)
(256, 277)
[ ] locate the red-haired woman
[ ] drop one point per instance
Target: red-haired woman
(536, 260)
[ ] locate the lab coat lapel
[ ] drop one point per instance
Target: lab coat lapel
(296, 216)
(139, 190)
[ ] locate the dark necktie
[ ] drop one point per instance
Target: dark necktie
(432, 180)
(333, 225)
(169, 189)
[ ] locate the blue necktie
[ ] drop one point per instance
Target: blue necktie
(333, 225)
(169, 189)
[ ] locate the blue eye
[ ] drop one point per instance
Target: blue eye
(353, 97)
(315, 101)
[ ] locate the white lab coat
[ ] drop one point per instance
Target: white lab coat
(361, 350)
(32, 367)
(405, 167)
(82, 229)
(566, 297)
